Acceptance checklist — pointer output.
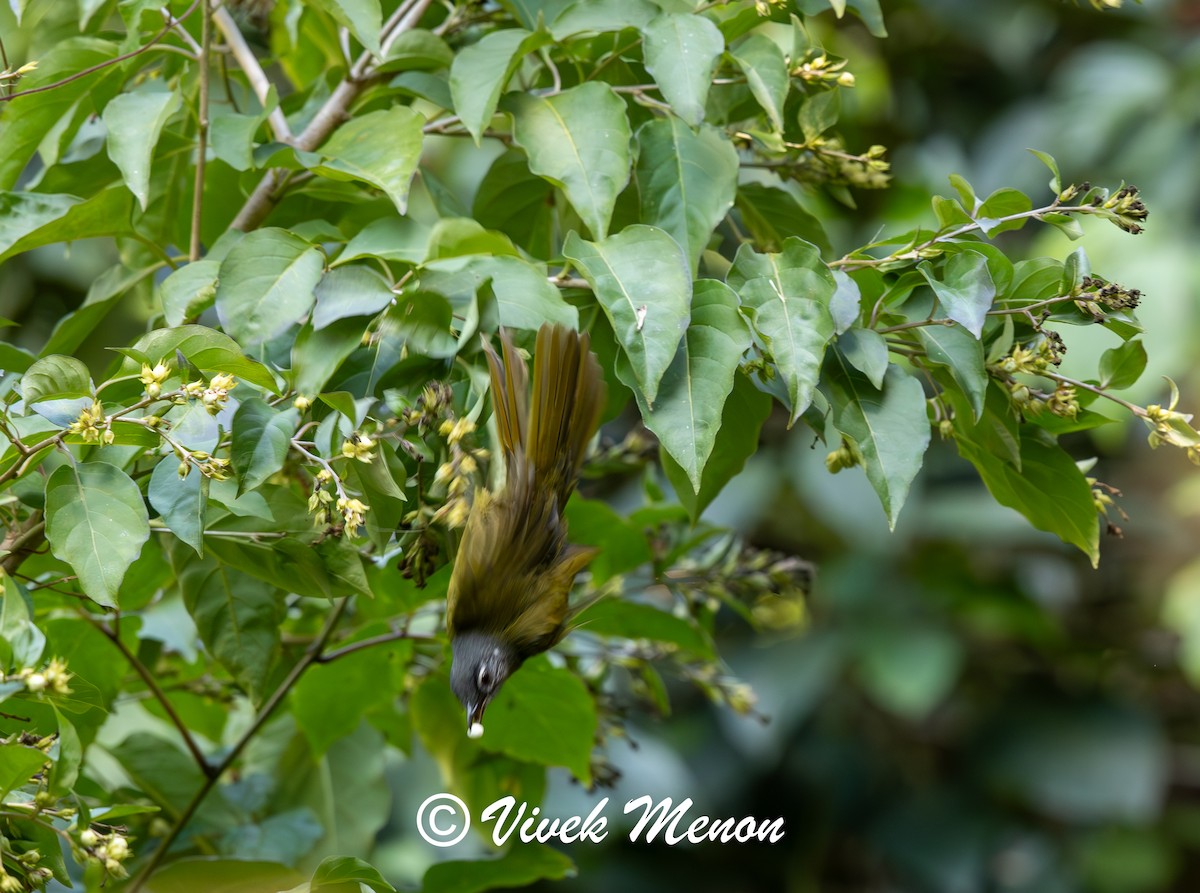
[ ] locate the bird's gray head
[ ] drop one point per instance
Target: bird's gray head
(480, 665)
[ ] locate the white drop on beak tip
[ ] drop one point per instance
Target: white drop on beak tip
(476, 730)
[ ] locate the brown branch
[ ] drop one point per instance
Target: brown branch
(329, 117)
(383, 639)
(159, 695)
(100, 65)
(293, 676)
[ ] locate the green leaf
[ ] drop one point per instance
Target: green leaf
(523, 864)
(417, 50)
(21, 642)
(207, 349)
(773, 214)
(261, 438)
(134, 122)
(104, 294)
(180, 502)
(579, 141)
(237, 618)
(26, 121)
(65, 772)
(480, 71)
(380, 148)
(1048, 160)
(1003, 203)
(363, 18)
(337, 870)
(640, 277)
(24, 213)
(765, 69)
(686, 180)
(189, 291)
(266, 285)
(14, 359)
(691, 395)
(107, 213)
(17, 763)
(389, 238)
(543, 715)
(217, 874)
(955, 348)
(1048, 488)
(317, 355)
(966, 289)
(514, 200)
(889, 426)
(787, 297)
(634, 620)
(681, 52)
(867, 351)
(1121, 367)
(737, 440)
(350, 291)
(97, 522)
(622, 546)
(330, 699)
(601, 16)
(54, 378)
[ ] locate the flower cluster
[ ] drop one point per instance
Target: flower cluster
(818, 68)
(359, 446)
(210, 466)
(456, 472)
(152, 378)
(431, 406)
(53, 678)
(109, 850)
(1096, 297)
(1172, 428)
(845, 456)
(92, 425)
(354, 512)
(213, 395)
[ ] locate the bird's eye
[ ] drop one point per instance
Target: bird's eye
(485, 679)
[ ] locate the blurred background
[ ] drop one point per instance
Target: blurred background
(968, 706)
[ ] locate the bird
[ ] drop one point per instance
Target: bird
(509, 590)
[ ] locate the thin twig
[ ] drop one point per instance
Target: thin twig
(293, 676)
(201, 131)
(100, 65)
(1099, 392)
(159, 695)
(383, 639)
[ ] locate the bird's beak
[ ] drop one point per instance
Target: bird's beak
(475, 713)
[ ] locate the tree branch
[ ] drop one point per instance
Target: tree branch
(171, 23)
(330, 116)
(159, 695)
(293, 676)
(383, 639)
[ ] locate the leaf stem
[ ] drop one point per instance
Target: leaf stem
(202, 61)
(384, 638)
(1098, 391)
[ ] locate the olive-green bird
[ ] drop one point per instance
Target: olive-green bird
(512, 578)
